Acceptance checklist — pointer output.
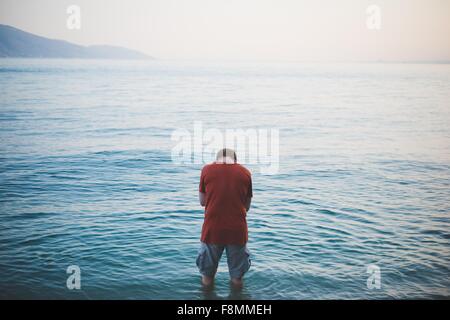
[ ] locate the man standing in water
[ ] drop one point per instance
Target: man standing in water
(225, 191)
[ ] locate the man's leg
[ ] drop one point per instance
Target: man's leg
(208, 261)
(237, 282)
(238, 258)
(207, 280)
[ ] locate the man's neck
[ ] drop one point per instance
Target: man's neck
(227, 160)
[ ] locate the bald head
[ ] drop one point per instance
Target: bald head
(226, 155)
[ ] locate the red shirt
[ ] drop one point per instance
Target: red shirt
(226, 188)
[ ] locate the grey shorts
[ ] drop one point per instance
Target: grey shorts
(238, 259)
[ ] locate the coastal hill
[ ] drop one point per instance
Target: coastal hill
(16, 43)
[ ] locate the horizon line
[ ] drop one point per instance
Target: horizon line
(375, 61)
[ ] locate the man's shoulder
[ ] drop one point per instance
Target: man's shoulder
(208, 167)
(243, 169)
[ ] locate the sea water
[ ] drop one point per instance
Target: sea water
(87, 178)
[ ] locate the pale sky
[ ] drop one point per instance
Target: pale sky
(303, 30)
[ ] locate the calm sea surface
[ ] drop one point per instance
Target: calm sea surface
(86, 178)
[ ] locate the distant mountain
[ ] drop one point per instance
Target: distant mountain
(18, 43)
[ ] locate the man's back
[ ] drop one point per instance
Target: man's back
(227, 187)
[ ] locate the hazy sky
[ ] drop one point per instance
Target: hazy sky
(247, 29)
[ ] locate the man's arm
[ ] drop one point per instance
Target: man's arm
(247, 203)
(249, 194)
(201, 197)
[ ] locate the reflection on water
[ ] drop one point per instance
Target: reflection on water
(87, 178)
(234, 293)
